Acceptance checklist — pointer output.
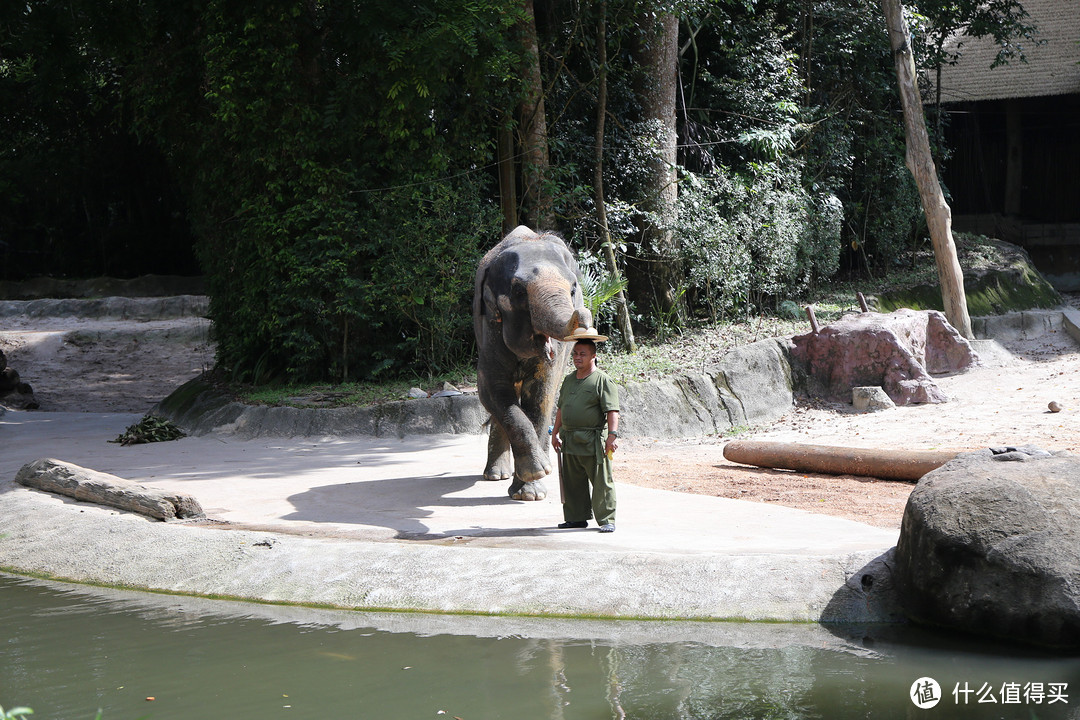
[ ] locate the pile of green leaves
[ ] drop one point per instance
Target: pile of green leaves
(148, 430)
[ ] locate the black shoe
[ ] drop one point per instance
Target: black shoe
(577, 524)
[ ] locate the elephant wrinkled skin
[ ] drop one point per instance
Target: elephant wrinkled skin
(527, 298)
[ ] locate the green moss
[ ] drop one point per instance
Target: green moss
(184, 397)
(994, 293)
(998, 278)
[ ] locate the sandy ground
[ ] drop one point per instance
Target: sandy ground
(90, 365)
(112, 366)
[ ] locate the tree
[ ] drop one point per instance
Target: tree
(532, 125)
(921, 163)
(623, 313)
(655, 274)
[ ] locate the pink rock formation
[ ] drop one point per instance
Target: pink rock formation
(897, 351)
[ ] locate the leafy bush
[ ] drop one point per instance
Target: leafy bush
(747, 238)
(430, 241)
(317, 140)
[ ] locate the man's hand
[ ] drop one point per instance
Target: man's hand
(556, 442)
(610, 445)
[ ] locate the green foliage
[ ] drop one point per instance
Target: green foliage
(599, 286)
(746, 238)
(854, 147)
(79, 195)
(426, 285)
(324, 157)
(16, 713)
(148, 430)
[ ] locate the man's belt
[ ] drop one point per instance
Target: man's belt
(593, 435)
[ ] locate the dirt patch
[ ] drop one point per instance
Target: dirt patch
(1004, 403)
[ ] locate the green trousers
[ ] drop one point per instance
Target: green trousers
(579, 472)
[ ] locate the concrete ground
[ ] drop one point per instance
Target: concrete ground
(408, 524)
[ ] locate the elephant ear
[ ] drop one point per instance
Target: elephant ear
(491, 307)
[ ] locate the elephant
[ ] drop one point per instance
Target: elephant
(527, 298)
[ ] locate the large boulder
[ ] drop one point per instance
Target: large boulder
(897, 351)
(14, 393)
(988, 545)
(999, 277)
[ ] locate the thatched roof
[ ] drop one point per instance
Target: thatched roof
(1052, 68)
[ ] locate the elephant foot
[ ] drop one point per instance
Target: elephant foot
(530, 472)
(521, 490)
(500, 469)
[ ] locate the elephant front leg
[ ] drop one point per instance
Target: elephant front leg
(531, 459)
(500, 463)
(531, 462)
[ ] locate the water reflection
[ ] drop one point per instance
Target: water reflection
(67, 651)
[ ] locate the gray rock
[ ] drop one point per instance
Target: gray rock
(989, 546)
(752, 384)
(101, 488)
(106, 308)
(1017, 326)
(416, 393)
(9, 379)
(14, 393)
(871, 398)
(761, 378)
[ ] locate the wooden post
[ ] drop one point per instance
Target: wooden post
(862, 302)
(813, 319)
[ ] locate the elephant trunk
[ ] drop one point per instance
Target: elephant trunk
(552, 309)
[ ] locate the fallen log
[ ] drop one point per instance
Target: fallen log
(64, 478)
(889, 464)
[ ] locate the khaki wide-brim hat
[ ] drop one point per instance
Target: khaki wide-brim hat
(585, 334)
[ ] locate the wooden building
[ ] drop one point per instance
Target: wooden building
(1015, 133)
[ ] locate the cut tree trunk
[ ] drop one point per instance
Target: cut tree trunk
(921, 164)
(886, 463)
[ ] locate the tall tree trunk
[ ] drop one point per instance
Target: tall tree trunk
(921, 164)
(536, 199)
(623, 315)
(655, 275)
(507, 179)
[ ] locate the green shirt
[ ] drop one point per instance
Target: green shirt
(585, 404)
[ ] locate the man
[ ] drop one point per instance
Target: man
(588, 400)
